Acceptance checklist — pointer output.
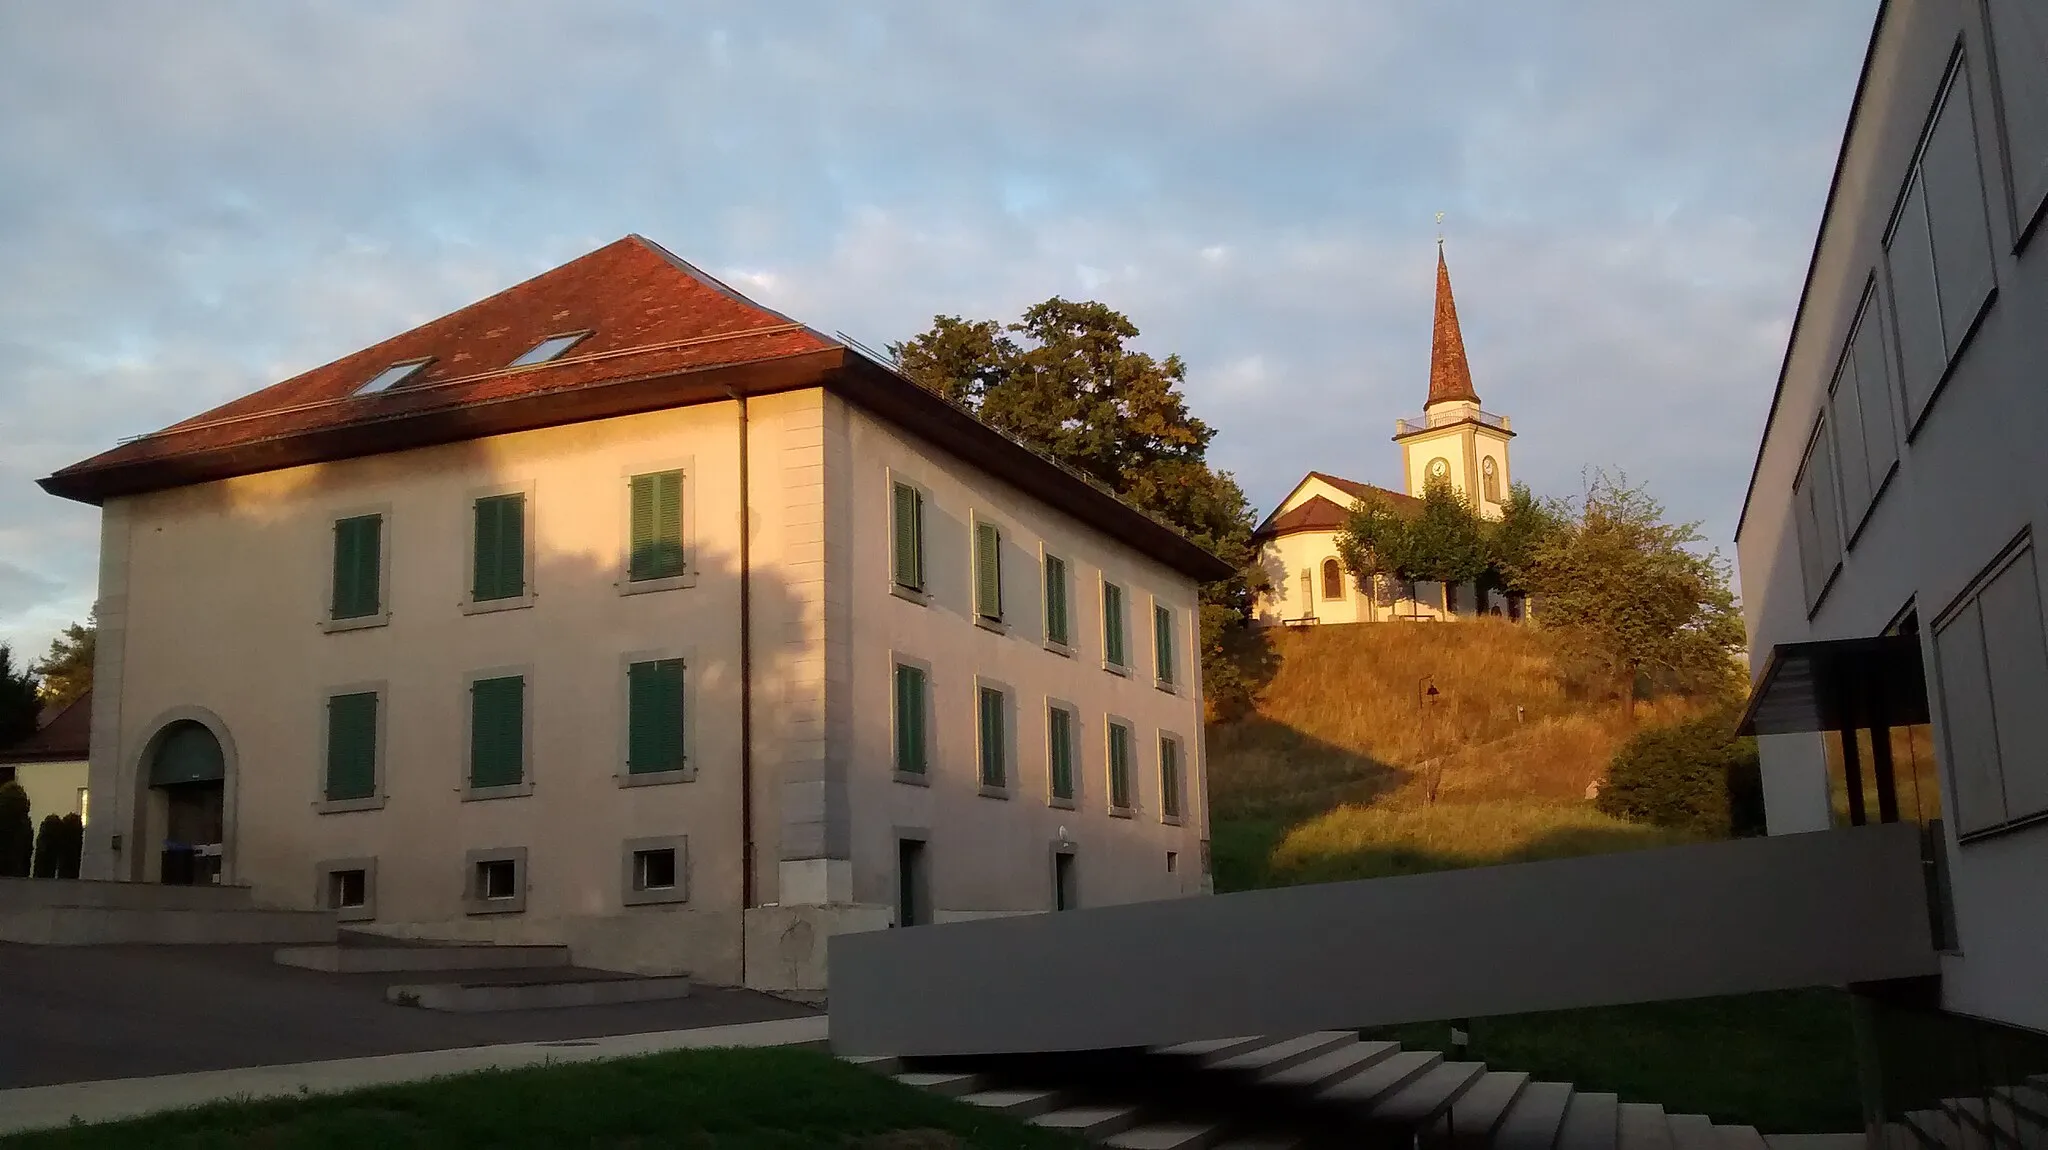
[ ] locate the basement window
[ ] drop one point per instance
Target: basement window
(392, 376)
(347, 889)
(550, 348)
(497, 880)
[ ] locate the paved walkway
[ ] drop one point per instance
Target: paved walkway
(38, 1107)
(88, 1013)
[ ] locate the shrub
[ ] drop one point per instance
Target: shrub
(1695, 775)
(49, 843)
(74, 846)
(17, 834)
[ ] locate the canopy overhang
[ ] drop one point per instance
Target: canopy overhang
(1838, 685)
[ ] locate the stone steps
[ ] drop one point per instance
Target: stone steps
(1329, 1088)
(569, 988)
(55, 925)
(358, 959)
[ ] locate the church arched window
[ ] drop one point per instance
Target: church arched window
(1489, 479)
(1333, 580)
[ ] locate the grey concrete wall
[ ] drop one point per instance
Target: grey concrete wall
(1716, 918)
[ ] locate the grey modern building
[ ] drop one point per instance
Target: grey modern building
(1889, 572)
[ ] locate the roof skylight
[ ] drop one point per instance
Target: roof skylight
(549, 348)
(392, 376)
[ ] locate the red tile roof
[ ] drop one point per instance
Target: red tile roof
(1318, 513)
(67, 737)
(648, 313)
(662, 334)
(1450, 376)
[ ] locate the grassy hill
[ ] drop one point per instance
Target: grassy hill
(1329, 777)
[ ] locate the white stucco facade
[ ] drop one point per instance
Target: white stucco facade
(1899, 481)
(214, 608)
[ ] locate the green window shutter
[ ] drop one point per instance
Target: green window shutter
(1119, 766)
(908, 524)
(654, 718)
(1113, 624)
(1060, 737)
(910, 711)
(1056, 600)
(500, 548)
(358, 566)
(994, 771)
(657, 545)
(352, 746)
(497, 731)
(1162, 643)
(1169, 777)
(988, 571)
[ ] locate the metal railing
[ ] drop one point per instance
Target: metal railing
(1431, 419)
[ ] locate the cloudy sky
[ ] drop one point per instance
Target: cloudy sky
(199, 199)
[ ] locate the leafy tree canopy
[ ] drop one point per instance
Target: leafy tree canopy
(1628, 590)
(1064, 380)
(66, 671)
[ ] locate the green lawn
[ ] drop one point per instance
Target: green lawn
(1782, 1062)
(728, 1099)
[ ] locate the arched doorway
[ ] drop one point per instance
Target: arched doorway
(189, 772)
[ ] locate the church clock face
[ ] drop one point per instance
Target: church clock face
(1439, 468)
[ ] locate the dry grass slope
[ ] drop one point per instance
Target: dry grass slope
(1329, 777)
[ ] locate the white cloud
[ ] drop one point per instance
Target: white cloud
(199, 200)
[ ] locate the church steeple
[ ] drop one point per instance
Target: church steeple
(1450, 377)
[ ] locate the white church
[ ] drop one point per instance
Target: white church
(1454, 441)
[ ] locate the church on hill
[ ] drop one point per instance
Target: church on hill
(1454, 441)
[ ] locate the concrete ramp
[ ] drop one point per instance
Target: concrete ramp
(87, 912)
(1819, 909)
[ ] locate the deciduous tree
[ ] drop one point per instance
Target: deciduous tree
(1624, 588)
(1064, 381)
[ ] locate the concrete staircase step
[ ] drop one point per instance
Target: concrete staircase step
(546, 994)
(1095, 1123)
(1642, 1126)
(2016, 1127)
(1740, 1138)
(878, 1063)
(1431, 1093)
(2025, 1097)
(941, 1082)
(1479, 1110)
(1935, 1128)
(1693, 1132)
(1166, 1136)
(113, 925)
(1897, 1136)
(1591, 1122)
(1263, 1142)
(1382, 1078)
(1212, 1047)
(1283, 1053)
(1973, 1118)
(1338, 1064)
(357, 958)
(1015, 1103)
(1816, 1141)
(1533, 1121)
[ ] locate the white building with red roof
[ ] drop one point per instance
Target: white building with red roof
(462, 636)
(1453, 441)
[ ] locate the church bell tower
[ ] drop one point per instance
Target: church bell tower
(1454, 441)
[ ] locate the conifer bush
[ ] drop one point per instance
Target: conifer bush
(49, 843)
(17, 834)
(74, 846)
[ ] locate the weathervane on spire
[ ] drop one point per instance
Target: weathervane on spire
(1439, 229)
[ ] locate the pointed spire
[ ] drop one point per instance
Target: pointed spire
(1450, 377)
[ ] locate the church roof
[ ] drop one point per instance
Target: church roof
(1450, 376)
(1318, 513)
